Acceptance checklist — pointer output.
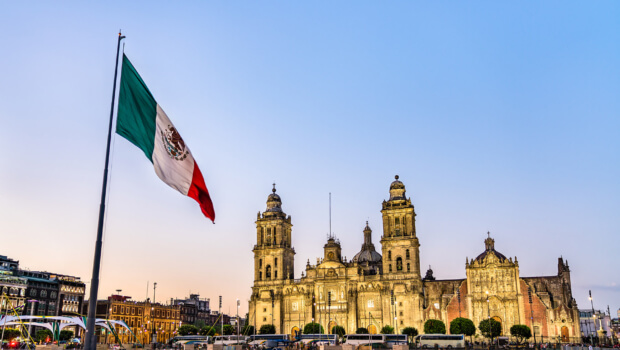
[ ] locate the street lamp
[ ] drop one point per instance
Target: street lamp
(529, 294)
(489, 318)
(329, 311)
(237, 317)
(593, 317)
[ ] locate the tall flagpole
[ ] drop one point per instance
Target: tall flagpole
(91, 340)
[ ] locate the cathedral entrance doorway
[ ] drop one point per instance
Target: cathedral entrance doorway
(372, 329)
(564, 332)
(501, 327)
(295, 332)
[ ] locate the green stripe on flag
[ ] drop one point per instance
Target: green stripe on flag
(137, 110)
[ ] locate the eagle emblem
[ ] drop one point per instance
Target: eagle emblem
(173, 143)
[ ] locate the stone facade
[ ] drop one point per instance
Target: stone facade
(373, 290)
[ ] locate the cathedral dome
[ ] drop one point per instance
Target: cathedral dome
(274, 203)
(397, 184)
(489, 244)
(397, 190)
(368, 253)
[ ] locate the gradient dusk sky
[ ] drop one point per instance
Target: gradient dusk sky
(498, 116)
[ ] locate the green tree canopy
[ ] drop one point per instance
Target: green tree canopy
(521, 332)
(208, 330)
(228, 329)
(43, 335)
(462, 325)
(267, 329)
(199, 324)
(65, 335)
(496, 328)
(247, 330)
(188, 329)
(411, 332)
(434, 327)
(339, 330)
(313, 328)
(387, 329)
(361, 330)
(10, 333)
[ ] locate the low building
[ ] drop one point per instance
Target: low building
(194, 310)
(142, 317)
(598, 326)
(12, 287)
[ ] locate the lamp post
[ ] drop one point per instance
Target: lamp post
(593, 317)
(489, 318)
(329, 311)
(237, 317)
(458, 296)
(272, 306)
(529, 294)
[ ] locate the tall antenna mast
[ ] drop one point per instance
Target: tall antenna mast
(330, 214)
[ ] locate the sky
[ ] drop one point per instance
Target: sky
(497, 116)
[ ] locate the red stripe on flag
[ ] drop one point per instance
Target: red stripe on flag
(198, 191)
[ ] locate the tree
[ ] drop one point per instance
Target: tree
(496, 328)
(521, 332)
(199, 324)
(339, 330)
(65, 335)
(228, 329)
(247, 330)
(188, 329)
(267, 329)
(411, 332)
(361, 330)
(313, 328)
(43, 335)
(208, 330)
(462, 325)
(387, 329)
(11, 333)
(434, 327)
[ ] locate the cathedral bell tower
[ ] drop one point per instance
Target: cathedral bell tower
(273, 253)
(399, 243)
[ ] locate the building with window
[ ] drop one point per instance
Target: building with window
(143, 317)
(193, 309)
(596, 325)
(376, 289)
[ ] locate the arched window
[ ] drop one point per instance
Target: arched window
(276, 264)
(276, 274)
(390, 267)
(407, 254)
(389, 255)
(397, 221)
(399, 264)
(408, 267)
(268, 272)
(268, 240)
(260, 262)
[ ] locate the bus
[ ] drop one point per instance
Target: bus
(319, 339)
(230, 339)
(395, 339)
(190, 341)
(259, 339)
(448, 341)
(362, 339)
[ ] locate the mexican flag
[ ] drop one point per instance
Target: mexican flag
(145, 124)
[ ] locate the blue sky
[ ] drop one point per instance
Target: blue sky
(498, 116)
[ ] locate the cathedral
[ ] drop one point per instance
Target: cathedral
(376, 289)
